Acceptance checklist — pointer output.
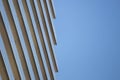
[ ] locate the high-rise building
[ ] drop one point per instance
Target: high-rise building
(27, 40)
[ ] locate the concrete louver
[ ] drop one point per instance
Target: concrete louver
(27, 37)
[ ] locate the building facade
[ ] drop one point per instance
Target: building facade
(27, 40)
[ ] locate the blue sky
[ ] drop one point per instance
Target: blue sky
(88, 36)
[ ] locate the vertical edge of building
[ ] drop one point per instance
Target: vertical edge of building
(27, 40)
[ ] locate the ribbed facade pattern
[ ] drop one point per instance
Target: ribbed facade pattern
(27, 40)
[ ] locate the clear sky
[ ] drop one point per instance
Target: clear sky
(88, 36)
